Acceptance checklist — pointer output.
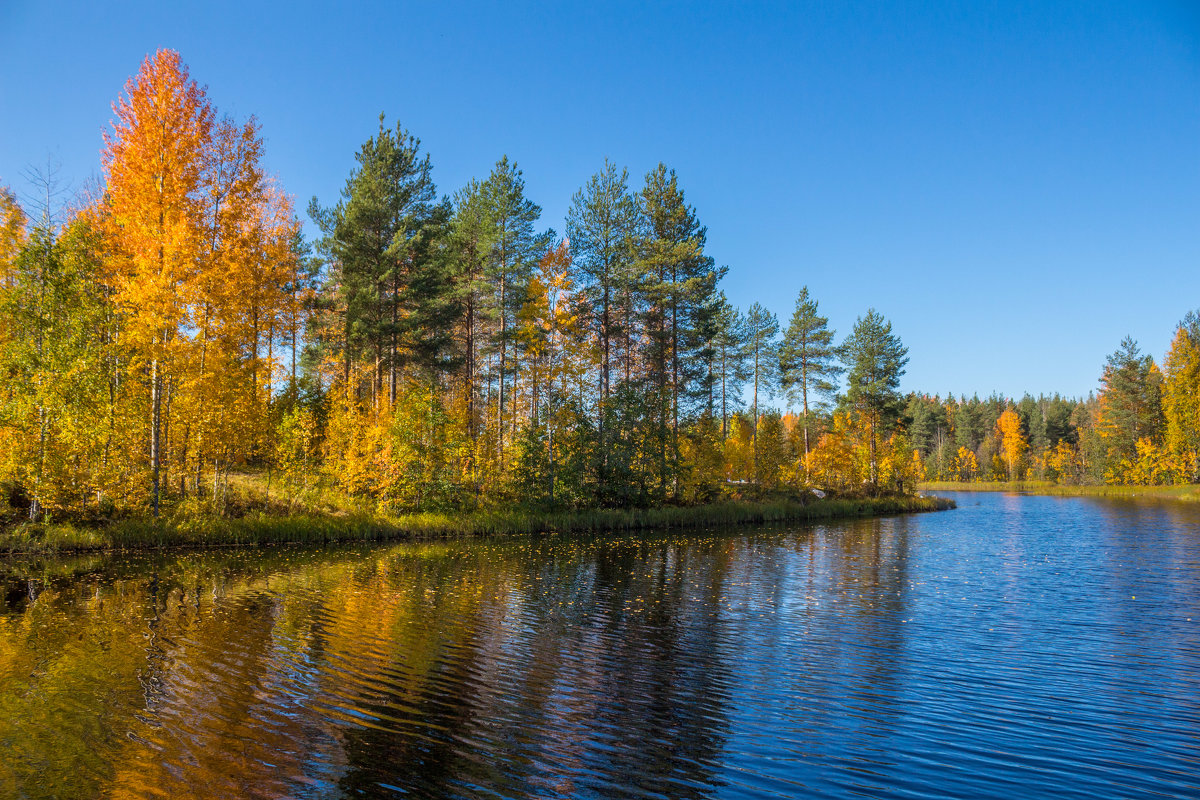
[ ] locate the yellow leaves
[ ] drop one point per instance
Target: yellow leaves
(739, 449)
(917, 467)
(840, 459)
(196, 256)
(1152, 466)
(1181, 398)
(1062, 462)
(12, 230)
(1012, 442)
(406, 456)
(966, 465)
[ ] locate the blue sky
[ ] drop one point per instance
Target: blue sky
(1015, 185)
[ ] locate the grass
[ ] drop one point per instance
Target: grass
(258, 528)
(1190, 492)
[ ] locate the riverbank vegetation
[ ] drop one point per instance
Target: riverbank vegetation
(447, 356)
(1190, 492)
(259, 528)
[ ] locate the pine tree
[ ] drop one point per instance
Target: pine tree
(391, 286)
(515, 247)
(730, 357)
(1130, 403)
(601, 224)
(471, 233)
(762, 348)
(874, 359)
(679, 283)
(807, 359)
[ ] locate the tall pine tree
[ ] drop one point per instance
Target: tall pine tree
(874, 359)
(807, 360)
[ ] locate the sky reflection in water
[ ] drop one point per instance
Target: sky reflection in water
(1019, 646)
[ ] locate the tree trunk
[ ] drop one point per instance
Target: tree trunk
(804, 393)
(503, 360)
(755, 427)
(874, 474)
(155, 409)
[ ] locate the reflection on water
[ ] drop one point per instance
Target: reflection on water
(1018, 646)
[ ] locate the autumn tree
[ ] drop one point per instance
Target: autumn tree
(12, 229)
(55, 358)
(1181, 396)
(966, 465)
(1012, 442)
(548, 325)
(153, 163)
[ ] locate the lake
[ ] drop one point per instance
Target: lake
(1015, 647)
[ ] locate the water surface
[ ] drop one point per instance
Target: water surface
(1016, 647)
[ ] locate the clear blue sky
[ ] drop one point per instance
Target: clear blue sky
(1015, 185)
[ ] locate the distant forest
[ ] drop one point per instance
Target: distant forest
(447, 352)
(1142, 428)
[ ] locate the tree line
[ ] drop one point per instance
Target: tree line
(1141, 428)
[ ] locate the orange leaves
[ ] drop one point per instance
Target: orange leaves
(153, 161)
(1012, 442)
(200, 258)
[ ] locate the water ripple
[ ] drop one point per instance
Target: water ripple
(1018, 647)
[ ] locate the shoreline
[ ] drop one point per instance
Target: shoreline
(259, 530)
(1186, 493)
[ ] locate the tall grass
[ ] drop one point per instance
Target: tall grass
(313, 528)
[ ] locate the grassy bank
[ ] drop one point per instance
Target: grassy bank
(262, 529)
(1053, 489)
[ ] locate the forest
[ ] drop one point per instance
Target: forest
(1141, 429)
(174, 329)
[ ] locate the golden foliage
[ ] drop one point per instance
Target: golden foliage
(1012, 443)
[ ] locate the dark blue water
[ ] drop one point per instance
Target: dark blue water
(1014, 647)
